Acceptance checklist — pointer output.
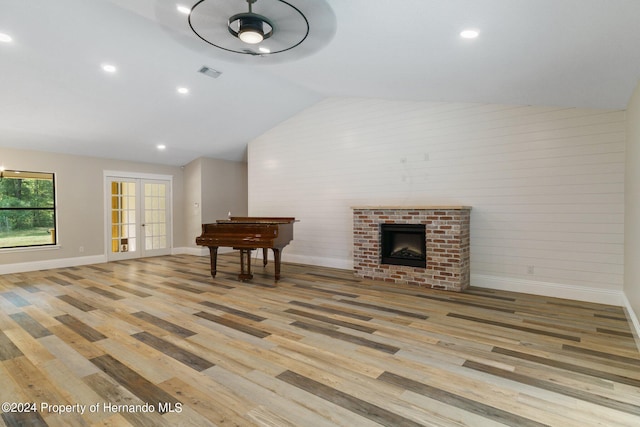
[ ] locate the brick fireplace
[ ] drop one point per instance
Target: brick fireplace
(447, 245)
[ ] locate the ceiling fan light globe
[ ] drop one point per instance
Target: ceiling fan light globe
(251, 36)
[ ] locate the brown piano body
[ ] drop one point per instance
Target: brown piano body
(247, 234)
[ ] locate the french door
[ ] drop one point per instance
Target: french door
(139, 217)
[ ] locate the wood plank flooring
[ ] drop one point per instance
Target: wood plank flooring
(158, 342)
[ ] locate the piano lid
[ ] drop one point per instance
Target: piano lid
(257, 220)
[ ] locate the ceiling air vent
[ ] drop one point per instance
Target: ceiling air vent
(210, 72)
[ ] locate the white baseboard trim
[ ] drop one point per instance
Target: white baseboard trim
(299, 259)
(199, 251)
(558, 290)
(257, 254)
(634, 324)
(319, 261)
(23, 267)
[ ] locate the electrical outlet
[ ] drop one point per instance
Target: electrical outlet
(530, 269)
(81, 249)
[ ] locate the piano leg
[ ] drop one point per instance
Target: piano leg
(213, 254)
(265, 253)
(276, 257)
(245, 275)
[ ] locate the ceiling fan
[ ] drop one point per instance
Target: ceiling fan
(275, 29)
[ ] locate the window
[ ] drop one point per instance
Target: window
(27, 209)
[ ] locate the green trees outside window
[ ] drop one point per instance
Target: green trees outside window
(27, 209)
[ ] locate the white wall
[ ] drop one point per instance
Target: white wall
(193, 203)
(213, 188)
(632, 209)
(80, 206)
(546, 184)
(224, 189)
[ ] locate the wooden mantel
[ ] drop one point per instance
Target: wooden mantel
(411, 208)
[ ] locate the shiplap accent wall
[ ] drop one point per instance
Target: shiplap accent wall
(632, 213)
(546, 184)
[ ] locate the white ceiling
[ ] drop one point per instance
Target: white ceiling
(55, 97)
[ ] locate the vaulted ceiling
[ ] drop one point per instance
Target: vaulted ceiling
(54, 95)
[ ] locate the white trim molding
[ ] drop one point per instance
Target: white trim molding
(558, 290)
(184, 250)
(634, 324)
(125, 174)
(315, 260)
(199, 251)
(23, 267)
(257, 254)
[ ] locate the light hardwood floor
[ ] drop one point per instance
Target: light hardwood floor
(319, 348)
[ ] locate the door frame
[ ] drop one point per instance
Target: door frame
(111, 174)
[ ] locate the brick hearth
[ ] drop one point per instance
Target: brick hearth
(447, 241)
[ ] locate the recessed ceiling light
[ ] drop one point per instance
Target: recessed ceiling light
(183, 90)
(109, 68)
(161, 147)
(183, 9)
(5, 38)
(469, 34)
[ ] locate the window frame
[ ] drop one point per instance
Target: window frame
(54, 209)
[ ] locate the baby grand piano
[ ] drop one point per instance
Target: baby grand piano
(246, 234)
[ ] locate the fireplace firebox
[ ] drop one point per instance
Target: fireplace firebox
(403, 244)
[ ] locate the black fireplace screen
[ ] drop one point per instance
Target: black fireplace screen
(403, 244)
